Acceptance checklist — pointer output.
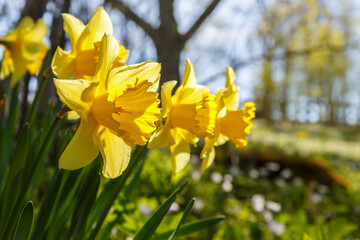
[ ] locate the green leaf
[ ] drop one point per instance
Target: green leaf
(64, 204)
(86, 199)
(129, 189)
(47, 204)
(190, 228)
(151, 225)
(340, 228)
(8, 227)
(11, 113)
(110, 193)
(184, 216)
(306, 237)
(24, 225)
(15, 176)
(106, 231)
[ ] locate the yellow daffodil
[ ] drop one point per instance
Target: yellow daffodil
(118, 109)
(81, 61)
(24, 50)
(231, 123)
(189, 115)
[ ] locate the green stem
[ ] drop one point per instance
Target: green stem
(44, 73)
(11, 112)
(9, 226)
(111, 191)
(47, 205)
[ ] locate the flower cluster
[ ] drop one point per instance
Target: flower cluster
(193, 113)
(118, 104)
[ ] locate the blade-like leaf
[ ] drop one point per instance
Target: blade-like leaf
(15, 176)
(24, 225)
(190, 228)
(85, 202)
(8, 228)
(11, 114)
(110, 193)
(135, 180)
(64, 204)
(47, 205)
(184, 216)
(106, 231)
(151, 225)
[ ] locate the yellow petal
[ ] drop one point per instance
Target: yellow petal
(35, 66)
(189, 78)
(36, 33)
(219, 99)
(62, 64)
(73, 27)
(180, 156)
(7, 64)
(161, 138)
(191, 95)
(188, 84)
(231, 95)
(72, 115)
(99, 24)
(236, 124)
(221, 139)
(16, 76)
(166, 92)
(24, 25)
(26, 22)
(122, 57)
(78, 95)
(137, 113)
(198, 116)
(85, 64)
(230, 77)
(207, 154)
(187, 136)
(109, 50)
(28, 51)
(115, 152)
(19, 70)
(31, 40)
(82, 148)
(121, 77)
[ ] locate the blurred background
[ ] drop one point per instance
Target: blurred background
(296, 59)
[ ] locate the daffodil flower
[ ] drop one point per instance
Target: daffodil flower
(24, 50)
(231, 123)
(118, 109)
(82, 60)
(189, 115)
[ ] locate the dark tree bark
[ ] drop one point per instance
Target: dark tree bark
(34, 9)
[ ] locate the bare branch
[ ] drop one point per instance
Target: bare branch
(118, 4)
(201, 19)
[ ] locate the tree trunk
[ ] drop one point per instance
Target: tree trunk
(285, 88)
(268, 85)
(169, 57)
